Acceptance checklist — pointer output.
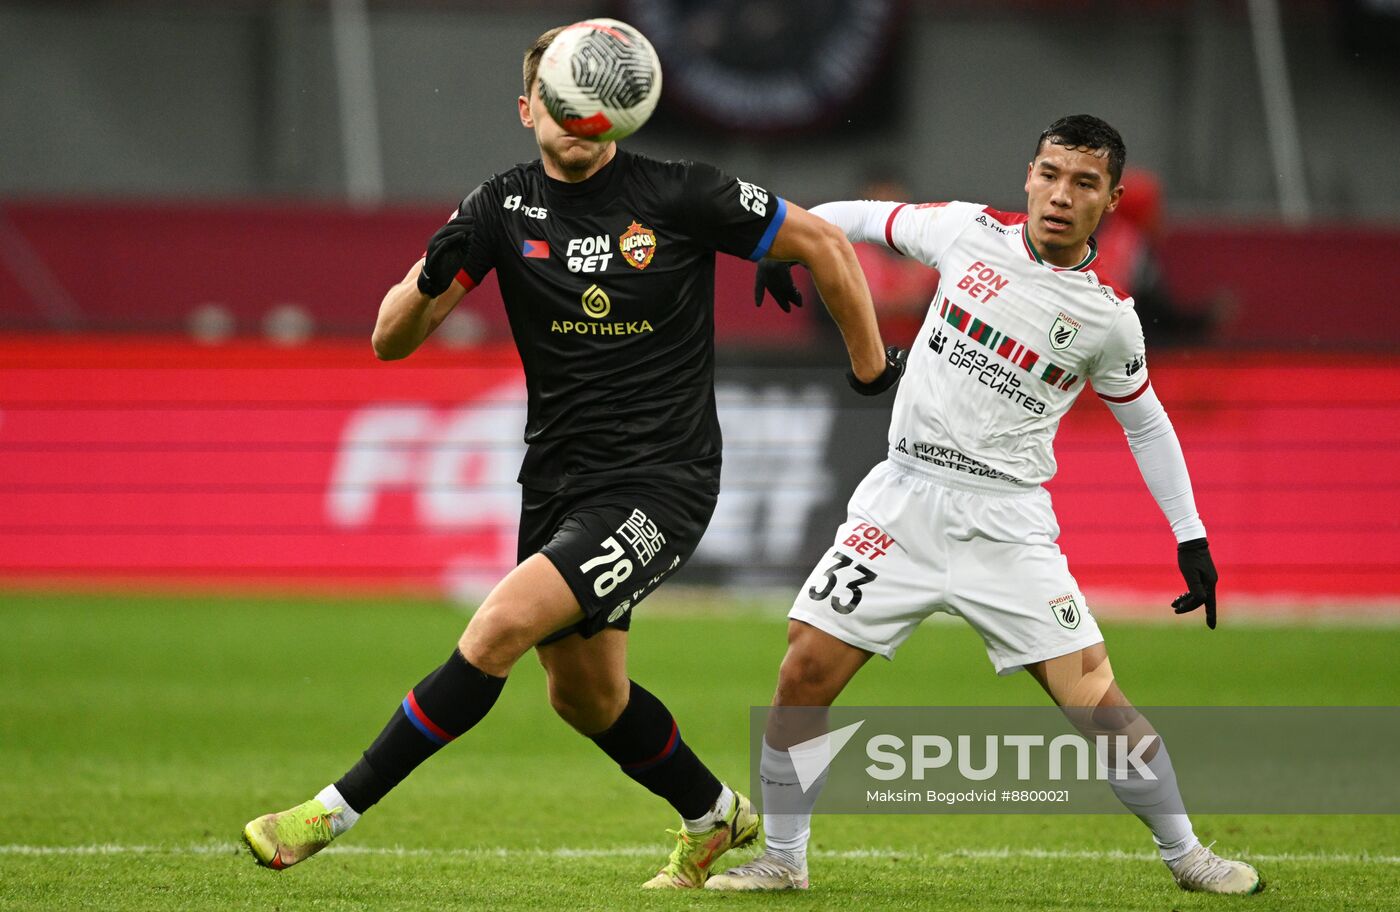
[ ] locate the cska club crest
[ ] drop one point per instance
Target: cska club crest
(637, 244)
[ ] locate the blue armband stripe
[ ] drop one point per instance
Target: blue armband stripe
(766, 241)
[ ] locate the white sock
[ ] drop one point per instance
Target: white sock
(785, 836)
(348, 816)
(715, 815)
(1158, 804)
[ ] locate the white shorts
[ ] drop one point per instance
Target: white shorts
(919, 538)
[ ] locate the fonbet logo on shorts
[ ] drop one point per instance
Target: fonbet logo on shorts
(596, 305)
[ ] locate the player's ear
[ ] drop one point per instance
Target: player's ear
(1114, 197)
(526, 120)
(1029, 167)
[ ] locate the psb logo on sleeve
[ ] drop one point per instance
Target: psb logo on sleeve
(638, 245)
(1063, 332)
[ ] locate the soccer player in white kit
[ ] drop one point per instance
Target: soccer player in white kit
(955, 518)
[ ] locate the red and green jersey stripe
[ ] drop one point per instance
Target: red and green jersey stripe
(981, 332)
(956, 316)
(1006, 346)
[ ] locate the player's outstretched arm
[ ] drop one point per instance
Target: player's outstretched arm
(407, 316)
(829, 257)
(413, 308)
(1158, 453)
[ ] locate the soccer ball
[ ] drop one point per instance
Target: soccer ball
(600, 79)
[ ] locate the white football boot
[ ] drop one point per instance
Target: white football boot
(764, 874)
(1202, 871)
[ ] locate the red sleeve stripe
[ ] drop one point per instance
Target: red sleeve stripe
(1130, 397)
(1007, 218)
(889, 229)
(465, 280)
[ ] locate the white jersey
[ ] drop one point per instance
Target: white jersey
(1007, 345)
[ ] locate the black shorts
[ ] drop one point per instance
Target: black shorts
(613, 545)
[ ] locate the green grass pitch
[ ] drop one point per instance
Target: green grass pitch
(137, 734)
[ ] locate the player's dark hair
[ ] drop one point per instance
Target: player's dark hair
(535, 51)
(1084, 131)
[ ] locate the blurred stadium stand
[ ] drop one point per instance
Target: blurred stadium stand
(201, 205)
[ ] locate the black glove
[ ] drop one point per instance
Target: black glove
(446, 253)
(775, 277)
(894, 369)
(1193, 557)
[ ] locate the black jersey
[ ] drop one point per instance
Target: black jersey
(609, 287)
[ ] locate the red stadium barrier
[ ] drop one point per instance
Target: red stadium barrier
(148, 266)
(250, 465)
(1294, 467)
(1318, 285)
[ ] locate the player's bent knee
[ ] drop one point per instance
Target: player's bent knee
(804, 680)
(495, 640)
(816, 668)
(799, 674)
(588, 711)
(1091, 687)
(1095, 705)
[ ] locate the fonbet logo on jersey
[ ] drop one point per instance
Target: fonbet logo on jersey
(753, 198)
(588, 254)
(596, 305)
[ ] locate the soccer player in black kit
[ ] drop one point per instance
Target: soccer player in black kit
(606, 264)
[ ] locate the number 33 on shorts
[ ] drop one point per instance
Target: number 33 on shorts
(838, 580)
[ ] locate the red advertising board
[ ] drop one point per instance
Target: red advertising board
(155, 461)
(250, 464)
(151, 266)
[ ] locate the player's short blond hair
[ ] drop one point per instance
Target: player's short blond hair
(534, 52)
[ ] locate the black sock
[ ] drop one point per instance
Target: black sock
(444, 705)
(646, 742)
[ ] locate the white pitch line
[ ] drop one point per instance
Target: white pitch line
(1006, 853)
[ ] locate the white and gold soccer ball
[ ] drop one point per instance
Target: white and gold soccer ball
(600, 79)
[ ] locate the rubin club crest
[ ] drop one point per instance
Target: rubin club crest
(1063, 332)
